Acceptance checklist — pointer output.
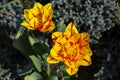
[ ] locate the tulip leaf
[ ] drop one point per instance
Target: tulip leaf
(22, 44)
(53, 77)
(27, 70)
(33, 76)
(61, 26)
(44, 56)
(36, 61)
(66, 78)
(37, 44)
(19, 33)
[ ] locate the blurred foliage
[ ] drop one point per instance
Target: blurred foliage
(97, 17)
(11, 60)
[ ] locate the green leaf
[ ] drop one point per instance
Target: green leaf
(44, 56)
(36, 62)
(53, 77)
(38, 45)
(66, 78)
(19, 33)
(35, 43)
(26, 70)
(61, 26)
(33, 39)
(33, 76)
(22, 44)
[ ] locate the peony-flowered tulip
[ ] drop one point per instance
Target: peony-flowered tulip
(72, 48)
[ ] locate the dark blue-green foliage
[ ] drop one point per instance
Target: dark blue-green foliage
(94, 16)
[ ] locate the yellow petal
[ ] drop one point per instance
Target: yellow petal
(57, 47)
(48, 6)
(74, 38)
(67, 34)
(51, 60)
(71, 71)
(25, 24)
(54, 52)
(86, 61)
(52, 26)
(86, 50)
(47, 13)
(77, 63)
(71, 27)
(34, 22)
(62, 41)
(85, 37)
(70, 64)
(28, 14)
(37, 6)
(56, 36)
(48, 26)
(38, 9)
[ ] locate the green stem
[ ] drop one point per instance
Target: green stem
(43, 38)
(48, 70)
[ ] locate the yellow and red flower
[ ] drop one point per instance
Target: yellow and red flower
(39, 18)
(72, 48)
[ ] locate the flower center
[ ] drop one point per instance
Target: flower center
(69, 51)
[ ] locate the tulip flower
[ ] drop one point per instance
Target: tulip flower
(39, 18)
(72, 48)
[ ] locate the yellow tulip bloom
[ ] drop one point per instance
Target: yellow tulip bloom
(39, 18)
(72, 48)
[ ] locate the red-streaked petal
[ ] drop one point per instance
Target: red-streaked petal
(48, 26)
(28, 14)
(52, 60)
(70, 63)
(71, 27)
(54, 52)
(27, 25)
(56, 36)
(38, 10)
(86, 50)
(86, 61)
(85, 37)
(47, 14)
(71, 71)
